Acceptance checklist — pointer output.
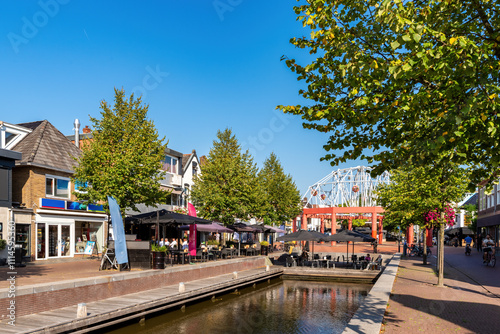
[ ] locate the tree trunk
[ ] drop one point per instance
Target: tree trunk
(441, 253)
(425, 246)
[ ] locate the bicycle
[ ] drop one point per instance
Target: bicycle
(491, 259)
(107, 262)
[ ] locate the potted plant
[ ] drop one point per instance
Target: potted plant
(158, 253)
(264, 247)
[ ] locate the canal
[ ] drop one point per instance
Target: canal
(277, 306)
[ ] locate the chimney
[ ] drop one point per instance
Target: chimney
(77, 132)
(86, 129)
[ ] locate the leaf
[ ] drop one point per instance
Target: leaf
(416, 37)
(395, 45)
(453, 40)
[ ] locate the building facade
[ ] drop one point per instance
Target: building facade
(49, 221)
(488, 217)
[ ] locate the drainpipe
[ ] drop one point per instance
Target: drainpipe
(77, 132)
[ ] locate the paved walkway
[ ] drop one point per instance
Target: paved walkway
(469, 302)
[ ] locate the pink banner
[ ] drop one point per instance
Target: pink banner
(192, 240)
(191, 210)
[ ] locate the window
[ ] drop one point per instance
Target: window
(195, 168)
(57, 187)
(81, 186)
(170, 164)
(498, 194)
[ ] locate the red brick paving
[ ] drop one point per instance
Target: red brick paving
(469, 302)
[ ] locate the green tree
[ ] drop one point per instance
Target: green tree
(282, 198)
(228, 188)
(414, 191)
(400, 82)
(123, 158)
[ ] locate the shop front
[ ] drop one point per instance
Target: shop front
(64, 233)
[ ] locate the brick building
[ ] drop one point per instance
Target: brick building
(50, 223)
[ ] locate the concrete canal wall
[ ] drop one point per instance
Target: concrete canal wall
(44, 297)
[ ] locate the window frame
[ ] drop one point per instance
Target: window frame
(176, 172)
(54, 186)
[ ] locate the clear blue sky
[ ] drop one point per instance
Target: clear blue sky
(201, 65)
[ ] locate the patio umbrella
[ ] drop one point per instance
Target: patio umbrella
(348, 235)
(303, 235)
(213, 227)
(241, 227)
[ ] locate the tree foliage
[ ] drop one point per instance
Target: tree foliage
(402, 82)
(123, 158)
(414, 193)
(281, 196)
(228, 188)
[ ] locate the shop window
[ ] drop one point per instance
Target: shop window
(23, 237)
(40, 241)
(57, 187)
(87, 231)
(4, 184)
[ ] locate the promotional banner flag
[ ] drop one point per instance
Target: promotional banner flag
(191, 210)
(192, 240)
(118, 231)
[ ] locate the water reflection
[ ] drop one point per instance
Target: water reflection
(281, 307)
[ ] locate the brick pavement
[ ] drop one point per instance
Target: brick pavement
(469, 302)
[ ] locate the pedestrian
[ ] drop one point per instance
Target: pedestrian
(374, 244)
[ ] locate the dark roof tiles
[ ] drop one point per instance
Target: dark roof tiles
(47, 146)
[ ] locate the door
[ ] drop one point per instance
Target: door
(59, 240)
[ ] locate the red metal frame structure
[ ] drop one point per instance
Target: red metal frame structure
(334, 213)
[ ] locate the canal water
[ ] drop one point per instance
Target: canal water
(278, 306)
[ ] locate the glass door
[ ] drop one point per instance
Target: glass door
(59, 240)
(53, 241)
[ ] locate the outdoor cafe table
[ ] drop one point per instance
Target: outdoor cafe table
(181, 255)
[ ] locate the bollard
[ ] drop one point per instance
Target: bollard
(235, 275)
(268, 268)
(182, 287)
(81, 311)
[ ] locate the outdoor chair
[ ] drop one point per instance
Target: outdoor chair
(290, 262)
(226, 252)
(200, 254)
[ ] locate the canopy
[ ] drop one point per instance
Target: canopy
(465, 231)
(213, 227)
(349, 235)
(166, 217)
(240, 227)
(302, 235)
(272, 229)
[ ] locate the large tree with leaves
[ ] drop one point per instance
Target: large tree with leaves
(282, 198)
(228, 188)
(123, 158)
(415, 191)
(400, 82)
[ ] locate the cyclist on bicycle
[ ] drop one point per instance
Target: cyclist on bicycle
(487, 243)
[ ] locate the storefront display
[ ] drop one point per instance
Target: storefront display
(23, 237)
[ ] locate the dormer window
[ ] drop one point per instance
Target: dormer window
(171, 165)
(11, 134)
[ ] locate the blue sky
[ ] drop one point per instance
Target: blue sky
(201, 65)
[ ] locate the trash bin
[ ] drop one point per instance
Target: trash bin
(19, 253)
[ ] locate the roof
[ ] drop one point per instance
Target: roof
(47, 147)
(186, 160)
(471, 200)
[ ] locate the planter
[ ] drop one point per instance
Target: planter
(264, 250)
(158, 260)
